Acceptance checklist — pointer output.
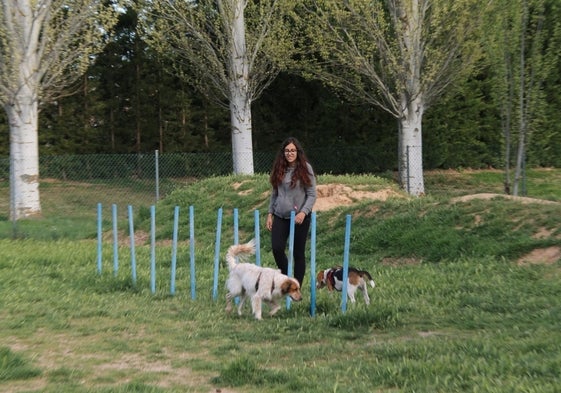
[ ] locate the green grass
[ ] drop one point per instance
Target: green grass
(453, 311)
(14, 367)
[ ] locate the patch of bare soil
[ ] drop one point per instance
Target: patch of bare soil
(330, 196)
(61, 351)
(546, 256)
(467, 198)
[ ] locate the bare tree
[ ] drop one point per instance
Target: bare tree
(45, 45)
(526, 56)
(398, 55)
(230, 50)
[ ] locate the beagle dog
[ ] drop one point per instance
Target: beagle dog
(332, 278)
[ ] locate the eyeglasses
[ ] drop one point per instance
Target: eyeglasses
(287, 151)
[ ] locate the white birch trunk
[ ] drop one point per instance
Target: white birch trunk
(240, 101)
(24, 156)
(411, 147)
(412, 100)
(45, 46)
(23, 113)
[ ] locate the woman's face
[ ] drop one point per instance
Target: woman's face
(290, 153)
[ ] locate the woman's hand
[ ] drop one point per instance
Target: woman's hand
(299, 219)
(269, 223)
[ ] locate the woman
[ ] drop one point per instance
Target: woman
(294, 189)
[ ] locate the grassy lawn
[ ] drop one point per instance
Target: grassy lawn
(468, 295)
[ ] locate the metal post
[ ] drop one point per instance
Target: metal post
(157, 166)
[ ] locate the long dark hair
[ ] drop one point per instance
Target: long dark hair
(280, 166)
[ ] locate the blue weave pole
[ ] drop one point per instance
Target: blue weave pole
(236, 241)
(346, 263)
(192, 249)
(115, 241)
(174, 249)
(99, 238)
(217, 254)
(290, 252)
(313, 266)
(133, 252)
(153, 249)
(236, 226)
(257, 239)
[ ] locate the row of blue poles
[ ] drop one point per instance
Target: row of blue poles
(216, 251)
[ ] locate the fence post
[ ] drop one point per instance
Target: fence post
(157, 169)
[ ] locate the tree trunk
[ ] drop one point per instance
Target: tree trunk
(240, 101)
(24, 155)
(411, 147)
(242, 146)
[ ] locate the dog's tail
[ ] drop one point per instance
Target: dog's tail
(367, 277)
(239, 251)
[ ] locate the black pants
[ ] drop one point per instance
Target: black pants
(279, 239)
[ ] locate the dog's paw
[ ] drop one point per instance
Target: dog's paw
(274, 310)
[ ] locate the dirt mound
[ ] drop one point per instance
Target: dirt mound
(330, 196)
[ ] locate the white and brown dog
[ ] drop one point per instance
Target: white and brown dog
(260, 284)
(332, 278)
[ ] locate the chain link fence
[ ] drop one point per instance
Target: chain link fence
(148, 177)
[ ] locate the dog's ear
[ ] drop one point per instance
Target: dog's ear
(289, 286)
(329, 280)
(320, 280)
(285, 286)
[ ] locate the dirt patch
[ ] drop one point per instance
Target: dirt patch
(487, 196)
(546, 256)
(165, 375)
(543, 233)
(330, 196)
(63, 351)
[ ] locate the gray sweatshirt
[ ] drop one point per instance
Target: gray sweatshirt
(298, 199)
